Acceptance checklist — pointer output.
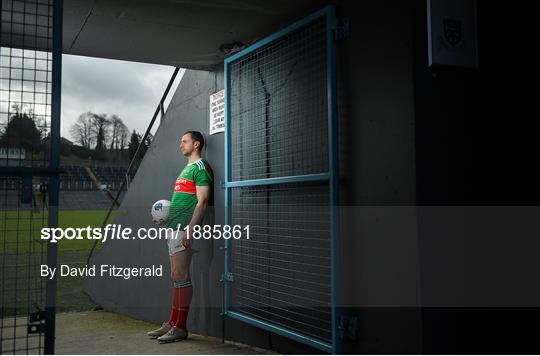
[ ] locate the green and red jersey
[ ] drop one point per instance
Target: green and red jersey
(184, 197)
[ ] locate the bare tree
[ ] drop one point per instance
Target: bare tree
(16, 107)
(100, 129)
(82, 130)
(118, 127)
(123, 136)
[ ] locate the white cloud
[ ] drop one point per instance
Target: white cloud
(128, 89)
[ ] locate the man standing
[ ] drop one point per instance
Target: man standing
(192, 193)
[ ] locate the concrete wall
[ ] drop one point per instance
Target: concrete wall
(380, 247)
(149, 299)
(384, 169)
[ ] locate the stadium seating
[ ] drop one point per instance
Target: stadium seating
(75, 177)
(112, 176)
(77, 189)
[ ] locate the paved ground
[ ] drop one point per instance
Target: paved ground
(101, 332)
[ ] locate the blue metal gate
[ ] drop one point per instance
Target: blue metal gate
(30, 75)
(281, 180)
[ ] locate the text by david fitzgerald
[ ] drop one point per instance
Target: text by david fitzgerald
(102, 271)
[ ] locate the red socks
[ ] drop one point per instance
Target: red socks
(182, 294)
(185, 292)
(174, 311)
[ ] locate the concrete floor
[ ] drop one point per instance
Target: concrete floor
(101, 332)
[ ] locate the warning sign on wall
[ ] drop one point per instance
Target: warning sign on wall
(217, 112)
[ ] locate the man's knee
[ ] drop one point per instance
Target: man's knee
(180, 275)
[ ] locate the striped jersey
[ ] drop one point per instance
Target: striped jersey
(184, 196)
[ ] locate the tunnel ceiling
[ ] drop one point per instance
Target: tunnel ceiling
(192, 34)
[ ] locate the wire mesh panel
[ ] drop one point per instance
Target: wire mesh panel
(26, 80)
(23, 291)
(279, 109)
(278, 182)
(282, 273)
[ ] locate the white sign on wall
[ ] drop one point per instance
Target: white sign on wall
(452, 33)
(217, 112)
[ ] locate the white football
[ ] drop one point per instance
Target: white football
(160, 211)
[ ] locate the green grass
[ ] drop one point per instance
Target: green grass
(21, 230)
(72, 159)
(22, 252)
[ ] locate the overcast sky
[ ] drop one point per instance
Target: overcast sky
(128, 89)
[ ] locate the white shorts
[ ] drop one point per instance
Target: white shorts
(174, 243)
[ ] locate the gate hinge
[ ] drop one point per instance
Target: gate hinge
(37, 317)
(348, 326)
(227, 277)
(341, 31)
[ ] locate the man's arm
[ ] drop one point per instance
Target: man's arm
(203, 195)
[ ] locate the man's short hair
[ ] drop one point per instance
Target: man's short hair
(196, 136)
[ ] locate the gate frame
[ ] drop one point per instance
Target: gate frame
(48, 315)
(54, 166)
(332, 177)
